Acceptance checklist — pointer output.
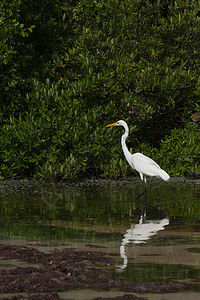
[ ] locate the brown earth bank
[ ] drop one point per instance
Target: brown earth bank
(62, 270)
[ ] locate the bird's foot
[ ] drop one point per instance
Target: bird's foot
(140, 195)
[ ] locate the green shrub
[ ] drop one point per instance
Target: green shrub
(180, 151)
(69, 68)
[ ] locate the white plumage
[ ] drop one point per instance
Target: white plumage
(147, 166)
(138, 161)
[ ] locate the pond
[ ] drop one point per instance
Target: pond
(108, 216)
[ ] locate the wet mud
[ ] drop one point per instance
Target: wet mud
(45, 275)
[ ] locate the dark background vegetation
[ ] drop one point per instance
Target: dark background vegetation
(68, 68)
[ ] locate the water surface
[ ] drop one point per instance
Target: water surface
(106, 215)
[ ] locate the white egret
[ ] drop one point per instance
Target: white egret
(138, 161)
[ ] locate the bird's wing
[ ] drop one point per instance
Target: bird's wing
(147, 166)
(143, 159)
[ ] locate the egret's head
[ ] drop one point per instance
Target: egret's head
(118, 123)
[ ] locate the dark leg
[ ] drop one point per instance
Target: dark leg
(144, 192)
(145, 199)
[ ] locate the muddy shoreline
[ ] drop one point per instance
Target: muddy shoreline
(46, 274)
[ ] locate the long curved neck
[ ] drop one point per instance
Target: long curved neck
(123, 143)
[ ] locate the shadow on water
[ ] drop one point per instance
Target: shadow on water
(161, 244)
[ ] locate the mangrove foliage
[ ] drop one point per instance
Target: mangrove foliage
(68, 68)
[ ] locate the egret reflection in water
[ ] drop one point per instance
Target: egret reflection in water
(139, 234)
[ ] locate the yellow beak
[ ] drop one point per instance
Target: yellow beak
(113, 124)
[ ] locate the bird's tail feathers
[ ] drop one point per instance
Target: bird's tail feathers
(164, 175)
